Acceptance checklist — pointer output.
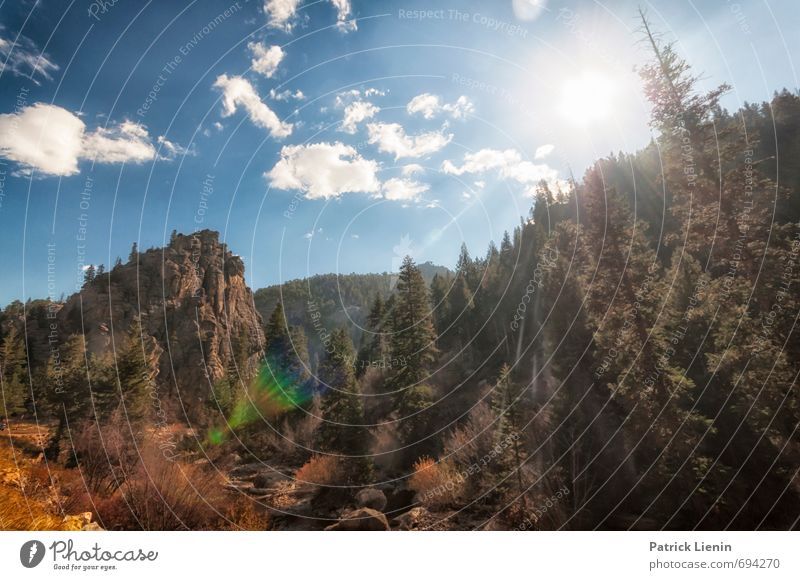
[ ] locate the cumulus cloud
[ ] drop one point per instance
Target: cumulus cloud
(171, 150)
(543, 151)
(391, 138)
(343, 20)
(281, 13)
(126, 142)
(357, 112)
(22, 57)
(508, 163)
(429, 106)
(265, 59)
(401, 189)
(412, 169)
(236, 92)
(52, 140)
(324, 170)
(286, 95)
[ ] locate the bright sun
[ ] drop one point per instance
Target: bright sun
(587, 99)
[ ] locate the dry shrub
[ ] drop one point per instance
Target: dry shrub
(467, 445)
(322, 470)
(246, 514)
(436, 484)
(102, 454)
(160, 493)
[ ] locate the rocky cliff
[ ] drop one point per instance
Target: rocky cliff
(191, 297)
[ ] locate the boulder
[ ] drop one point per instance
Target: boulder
(361, 520)
(412, 519)
(267, 479)
(92, 527)
(77, 522)
(372, 498)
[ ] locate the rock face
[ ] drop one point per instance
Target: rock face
(191, 297)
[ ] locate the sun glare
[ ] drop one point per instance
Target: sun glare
(587, 99)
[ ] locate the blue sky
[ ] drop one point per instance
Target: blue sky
(327, 136)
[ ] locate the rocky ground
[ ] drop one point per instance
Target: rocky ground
(296, 505)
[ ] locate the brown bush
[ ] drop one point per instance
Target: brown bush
(322, 470)
(246, 514)
(160, 493)
(436, 484)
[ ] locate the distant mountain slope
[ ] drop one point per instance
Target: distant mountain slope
(342, 299)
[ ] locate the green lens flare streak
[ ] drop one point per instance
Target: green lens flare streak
(271, 393)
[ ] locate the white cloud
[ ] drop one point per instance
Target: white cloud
(392, 138)
(23, 58)
(426, 103)
(509, 165)
(543, 151)
(343, 20)
(429, 106)
(357, 112)
(412, 169)
(460, 109)
(126, 142)
(286, 95)
(281, 13)
(43, 137)
(324, 170)
(53, 140)
(237, 91)
(399, 189)
(265, 59)
(170, 150)
(345, 97)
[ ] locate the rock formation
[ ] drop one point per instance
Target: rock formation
(191, 297)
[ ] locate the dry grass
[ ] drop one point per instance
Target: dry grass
(25, 499)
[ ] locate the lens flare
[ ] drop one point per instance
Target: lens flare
(270, 394)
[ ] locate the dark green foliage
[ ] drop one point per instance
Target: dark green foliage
(14, 365)
(342, 431)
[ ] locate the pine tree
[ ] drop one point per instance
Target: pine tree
(440, 286)
(14, 372)
(341, 404)
(137, 369)
(413, 343)
(68, 390)
(89, 275)
(413, 338)
(375, 347)
(512, 412)
(134, 255)
(460, 301)
(286, 348)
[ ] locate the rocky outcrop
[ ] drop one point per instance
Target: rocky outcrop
(191, 297)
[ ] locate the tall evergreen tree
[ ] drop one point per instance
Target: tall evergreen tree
(15, 372)
(137, 370)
